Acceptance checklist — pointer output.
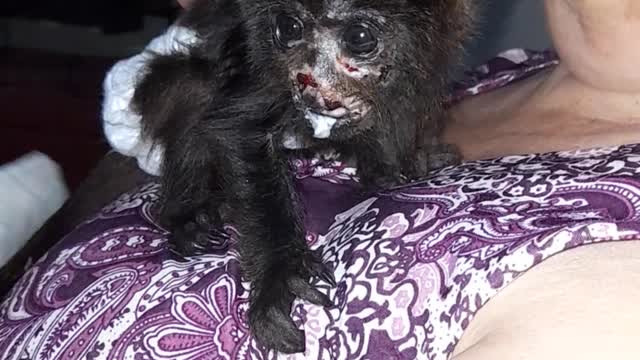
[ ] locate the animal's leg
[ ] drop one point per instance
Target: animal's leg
(275, 256)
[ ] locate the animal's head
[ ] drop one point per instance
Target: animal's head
(350, 62)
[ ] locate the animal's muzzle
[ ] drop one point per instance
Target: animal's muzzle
(314, 96)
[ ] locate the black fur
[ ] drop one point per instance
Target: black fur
(221, 113)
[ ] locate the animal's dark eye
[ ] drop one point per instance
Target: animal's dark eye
(360, 40)
(288, 30)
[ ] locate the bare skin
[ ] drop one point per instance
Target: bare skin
(548, 112)
(580, 304)
(596, 87)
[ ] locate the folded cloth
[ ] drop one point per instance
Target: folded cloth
(121, 125)
(32, 188)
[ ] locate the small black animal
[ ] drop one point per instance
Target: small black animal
(271, 77)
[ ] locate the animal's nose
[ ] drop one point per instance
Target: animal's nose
(315, 100)
(314, 95)
(306, 80)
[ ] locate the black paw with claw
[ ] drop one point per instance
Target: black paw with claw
(193, 235)
(273, 296)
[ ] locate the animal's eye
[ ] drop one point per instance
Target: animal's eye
(360, 40)
(288, 30)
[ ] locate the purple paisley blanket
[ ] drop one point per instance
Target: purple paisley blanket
(413, 264)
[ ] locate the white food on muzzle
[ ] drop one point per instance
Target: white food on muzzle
(321, 124)
(336, 113)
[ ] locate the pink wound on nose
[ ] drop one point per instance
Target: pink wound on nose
(346, 65)
(306, 80)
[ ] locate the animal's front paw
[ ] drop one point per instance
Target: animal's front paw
(192, 235)
(272, 298)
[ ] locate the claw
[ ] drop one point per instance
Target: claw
(327, 276)
(176, 254)
(319, 269)
(306, 291)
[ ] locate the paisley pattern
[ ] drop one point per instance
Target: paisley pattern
(413, 264)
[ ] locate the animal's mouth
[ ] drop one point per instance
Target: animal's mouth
(325, 108)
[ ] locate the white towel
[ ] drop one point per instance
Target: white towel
(121, 125)
(32, 188)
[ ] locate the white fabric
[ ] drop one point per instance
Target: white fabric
(121, 125)
(32, 188)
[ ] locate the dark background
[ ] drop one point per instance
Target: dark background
(52, 64)
(54, 55)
